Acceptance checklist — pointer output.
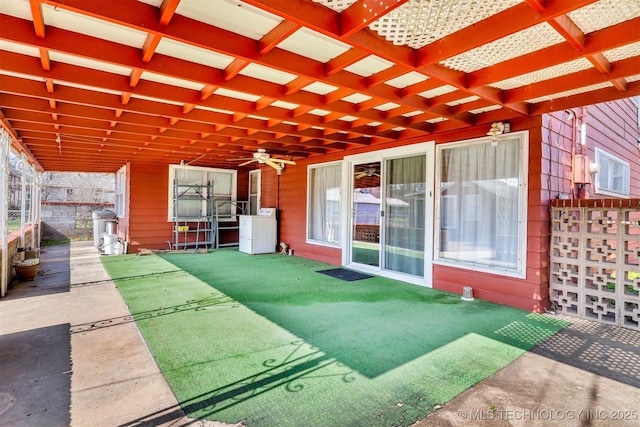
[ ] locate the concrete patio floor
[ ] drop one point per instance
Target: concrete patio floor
(70, 354)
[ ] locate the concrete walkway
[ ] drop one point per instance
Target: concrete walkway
(76, 314)
(71, 355)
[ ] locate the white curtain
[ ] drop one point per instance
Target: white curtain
(479, 221)
(405, 214)
(324, 203)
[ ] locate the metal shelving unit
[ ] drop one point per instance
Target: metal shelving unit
(226, 220)
(193, 217)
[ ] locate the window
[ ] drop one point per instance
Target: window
(193, 181)
(482, 204)
(323, 212)
(121, 177)
(613, 177)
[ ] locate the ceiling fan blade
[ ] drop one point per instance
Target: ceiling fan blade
(273, 164)
(246, 163)
(287, 162)
(359, 175)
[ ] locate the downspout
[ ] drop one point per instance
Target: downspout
(4, 208)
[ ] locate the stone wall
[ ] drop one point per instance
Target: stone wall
(68, 201)
(69, 220)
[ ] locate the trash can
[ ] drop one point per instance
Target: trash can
(101, 218)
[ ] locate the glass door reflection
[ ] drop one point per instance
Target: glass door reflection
(365, 236)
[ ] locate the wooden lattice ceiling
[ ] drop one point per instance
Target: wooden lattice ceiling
(89, 85)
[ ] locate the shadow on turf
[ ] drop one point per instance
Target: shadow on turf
(291, 373)
(215, 299)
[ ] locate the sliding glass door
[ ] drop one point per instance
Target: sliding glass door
(404, 220)
(367, 207)
(391, 212)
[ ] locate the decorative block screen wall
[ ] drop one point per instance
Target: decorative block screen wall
(595, 260)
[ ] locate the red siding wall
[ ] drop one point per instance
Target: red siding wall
(611, 126)
(553, 142)
(147, 223)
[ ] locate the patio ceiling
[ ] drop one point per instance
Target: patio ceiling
(89, 85)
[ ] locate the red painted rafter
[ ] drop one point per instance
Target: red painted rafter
(38, 18)
(275, 36)
(167, 10)
(585, 78)
(340, 62)
(234, 68)
(627, 32)
(84, 97)
(150, 45)
(193, 32)
(45, 59)
(590, 98)
(569, 30)
(497, 26)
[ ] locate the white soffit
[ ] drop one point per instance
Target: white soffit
(485, 109)
(154, 99)
(285, 105)
(319, 112)
(83, 24)
(463, 101)
(231, 15)
(348, 118)
(17, 8)
(20, 75)
(418, 23)
(313, 45)
(412, 113)
(237, 95)
(356, 98)
(319, 88)
(408, 79)
(387, 106)
(88, 63)
(442, 90)
(544, 74)
(87, 87)
(19, 48)
(172, 81)
(368, 66)
(604, 13)
(193, 53)
(215, 110)
(530, 40)
(268, 74)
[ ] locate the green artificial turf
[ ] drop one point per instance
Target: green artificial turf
(269, 341)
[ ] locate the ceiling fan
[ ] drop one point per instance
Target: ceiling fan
(366, 172)
(262, 157)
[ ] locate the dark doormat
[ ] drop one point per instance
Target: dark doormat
(344, 274)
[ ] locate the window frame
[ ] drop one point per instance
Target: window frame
(205, 170)
(337, 243)
(523, 170)
(626, 176)
(120, 193)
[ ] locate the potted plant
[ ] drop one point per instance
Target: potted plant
(27, 269)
